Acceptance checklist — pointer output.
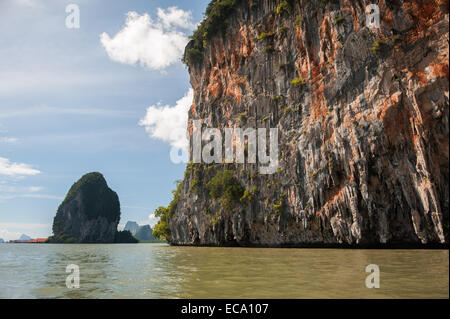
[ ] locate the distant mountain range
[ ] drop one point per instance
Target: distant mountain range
(24, 237)
(139, 232)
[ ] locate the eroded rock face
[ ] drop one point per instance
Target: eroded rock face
(143, 232)
(363, 132)
(132, 227)
(89, 214)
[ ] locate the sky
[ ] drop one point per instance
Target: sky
(107, 96)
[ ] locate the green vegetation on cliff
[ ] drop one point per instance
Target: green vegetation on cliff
(90, 213)
(125, 237)
(162, 229)
(95, 200)
(215, 21)
(61, 239)
(94, 178)
(225, 188)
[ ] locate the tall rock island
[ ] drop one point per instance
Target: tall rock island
(362, 114)
(90, 213)
(143, 232)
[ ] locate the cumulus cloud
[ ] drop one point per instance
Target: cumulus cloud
(26, 2)
(155, 44)
(13, 189)
(8, 168)
(35, 189)
(8, 235)
(12, 231)
(174, 17)
(169, 123)
(153, 220)
(8, 140)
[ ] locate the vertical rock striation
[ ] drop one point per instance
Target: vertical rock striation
(363, 120)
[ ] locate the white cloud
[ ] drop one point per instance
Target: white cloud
(31, 3)
(174, 17)
(13, 189)
(8, 235)
(154, 44)
(9, 191)
(10, 112)
(16, 169)
(169, 123)
(152, 220)
(12, 231)
(8, 140)
(35, 189)
(40, 196)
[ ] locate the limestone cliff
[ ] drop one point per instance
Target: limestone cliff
(143, 232)
(90, 213)
(132, 227)
(363, 120)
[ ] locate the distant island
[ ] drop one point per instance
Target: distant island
(90, 213)
(25, 239)
(143, 232)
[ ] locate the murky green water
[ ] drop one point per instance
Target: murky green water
(161, 271)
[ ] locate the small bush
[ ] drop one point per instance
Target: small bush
(215, 22)
(215, 219)
(284, 8)
(338, 20)
(297, 81)
(276, 98)
(397, 38)
(248, 194)
(287, 109)
(282, 31)
(265, 35)
(196, 180)
(279, 207)
(242, 117)
(61, 239)
(268, 49)
(377, 46)
(225, 188)
(162, 228)
(193, 56)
